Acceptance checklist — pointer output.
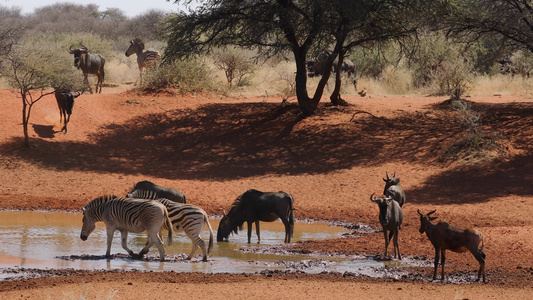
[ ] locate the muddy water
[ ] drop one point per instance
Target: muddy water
(41, 240)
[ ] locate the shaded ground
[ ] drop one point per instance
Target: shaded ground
(215, 148)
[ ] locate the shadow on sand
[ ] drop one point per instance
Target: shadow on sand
(227, 141)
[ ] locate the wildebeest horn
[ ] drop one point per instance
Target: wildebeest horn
(387, 175)
(431, 212)
(421, 214)
(372, 197)
(394, 175)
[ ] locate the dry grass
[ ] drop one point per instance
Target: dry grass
(277, 78)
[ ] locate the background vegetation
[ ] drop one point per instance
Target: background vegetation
(382, 69)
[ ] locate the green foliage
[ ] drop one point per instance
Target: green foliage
(184, 75)
(372, 61)
(238, 65)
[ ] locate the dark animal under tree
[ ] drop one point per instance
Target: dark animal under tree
(253, 206)
(65, 103)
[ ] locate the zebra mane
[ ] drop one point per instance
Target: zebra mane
(143, 194)
(98, 201)
(139, 43)
(150, 195)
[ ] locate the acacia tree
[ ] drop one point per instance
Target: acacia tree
(286, 25)
(35, 76)
(510, 20)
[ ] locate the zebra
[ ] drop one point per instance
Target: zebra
(187, 216)
(146, 59)
(126, 214)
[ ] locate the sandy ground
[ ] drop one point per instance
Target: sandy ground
(214, 148)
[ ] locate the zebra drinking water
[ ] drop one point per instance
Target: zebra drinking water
(187, 216)
(124, 215)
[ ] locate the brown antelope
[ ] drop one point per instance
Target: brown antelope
(444, 237)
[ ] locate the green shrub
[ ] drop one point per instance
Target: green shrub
(185, 76)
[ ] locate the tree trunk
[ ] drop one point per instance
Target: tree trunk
(25, 119)
(336, 95)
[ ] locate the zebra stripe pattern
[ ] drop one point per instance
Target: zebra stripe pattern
(127, 215)
(146, 59)
(187, 216)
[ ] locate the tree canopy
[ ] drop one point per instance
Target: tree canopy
(294, 26)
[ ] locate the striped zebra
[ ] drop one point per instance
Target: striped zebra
(124, 215)
(145, 59)
(187, 216)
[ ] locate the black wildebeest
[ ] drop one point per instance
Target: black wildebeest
(161, 191)
(390, 218)
(145, 59)
(317, 67)
(254, 206)
(65, 102)
(444, 236)
(89, 64)
(393, 189)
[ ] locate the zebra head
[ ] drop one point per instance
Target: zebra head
(136, 46)
(89, 224)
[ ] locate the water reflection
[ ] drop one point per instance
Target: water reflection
(36, 239)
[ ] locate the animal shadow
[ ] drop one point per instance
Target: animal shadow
(44, 131)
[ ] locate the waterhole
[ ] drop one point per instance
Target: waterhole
(42, 240)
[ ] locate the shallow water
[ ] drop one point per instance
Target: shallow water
(37, 239)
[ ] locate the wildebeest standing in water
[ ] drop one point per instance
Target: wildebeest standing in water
(254, 206)
(161, 191)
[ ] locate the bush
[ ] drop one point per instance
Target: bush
(185, 76)
(475, 145)
(236, 63)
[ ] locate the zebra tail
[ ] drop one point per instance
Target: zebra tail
(170, 227)
(206, 220)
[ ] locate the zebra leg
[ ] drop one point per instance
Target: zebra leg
(110, 232)
(124, 241)
(194, 239)
(154, 239)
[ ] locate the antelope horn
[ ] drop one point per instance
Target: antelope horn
(387, 175)
(421, 214)
(431, 212)
(394, 175)
(372, 198)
